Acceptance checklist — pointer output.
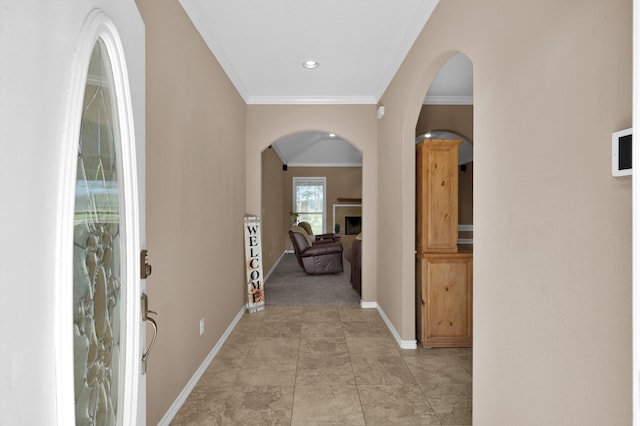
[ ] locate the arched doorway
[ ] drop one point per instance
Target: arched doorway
(355, 123)
(444, 221)
(444, 212)
(303, 158)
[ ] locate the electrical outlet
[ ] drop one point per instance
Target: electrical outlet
(202, 326)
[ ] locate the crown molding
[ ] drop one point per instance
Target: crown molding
(448, 100)
(210, 37)
(410, 36)
(307, 100)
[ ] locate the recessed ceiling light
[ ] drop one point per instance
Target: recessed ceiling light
(310, 64)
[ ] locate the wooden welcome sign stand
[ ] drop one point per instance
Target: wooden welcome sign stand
(253, 264)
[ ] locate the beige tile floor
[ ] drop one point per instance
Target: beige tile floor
(328, 366)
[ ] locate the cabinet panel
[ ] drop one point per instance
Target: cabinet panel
(445, 299)
(437, 196)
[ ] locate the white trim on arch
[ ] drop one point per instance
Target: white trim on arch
(96, 26)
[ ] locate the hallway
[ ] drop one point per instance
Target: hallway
(328, 366)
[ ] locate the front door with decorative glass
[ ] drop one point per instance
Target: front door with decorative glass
(108, 334)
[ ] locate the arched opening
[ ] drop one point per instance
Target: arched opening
(313, 177)
(444, 219)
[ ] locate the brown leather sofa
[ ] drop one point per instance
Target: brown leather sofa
(319, 258)
(354, 256)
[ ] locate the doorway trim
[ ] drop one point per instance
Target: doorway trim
(97, 25)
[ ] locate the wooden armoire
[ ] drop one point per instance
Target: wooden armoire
(443, 272)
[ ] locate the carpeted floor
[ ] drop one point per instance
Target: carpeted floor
(289, 285)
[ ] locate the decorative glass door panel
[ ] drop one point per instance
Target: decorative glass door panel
(97, 285)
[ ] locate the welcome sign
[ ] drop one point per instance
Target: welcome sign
(253, 261)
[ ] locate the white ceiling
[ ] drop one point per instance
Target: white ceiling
(316, 149)
(359, 44)
(261, 45)
(453, 85)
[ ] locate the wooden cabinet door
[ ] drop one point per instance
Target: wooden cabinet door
(437, 196)
(445, 300)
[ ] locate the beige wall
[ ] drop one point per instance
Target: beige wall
(354, 123)
(195, 199)
(275, 213)
(552, 261)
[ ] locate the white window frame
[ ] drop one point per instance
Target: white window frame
(315, 181)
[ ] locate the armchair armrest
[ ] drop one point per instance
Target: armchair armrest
(322, 249)
(325, 238)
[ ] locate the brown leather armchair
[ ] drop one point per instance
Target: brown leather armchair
(324, 258)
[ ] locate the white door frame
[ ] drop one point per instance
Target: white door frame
(99, 26)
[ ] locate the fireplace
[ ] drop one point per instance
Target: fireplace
(352, 225)
(349, 217)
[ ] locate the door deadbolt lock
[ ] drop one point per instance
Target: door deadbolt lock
(145, 266)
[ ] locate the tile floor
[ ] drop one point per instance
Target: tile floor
(328, 366)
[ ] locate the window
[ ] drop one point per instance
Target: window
(309, 201)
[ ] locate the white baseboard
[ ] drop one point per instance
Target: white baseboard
(368, 305)
(175, 407)
(266, 277)
(404, 344)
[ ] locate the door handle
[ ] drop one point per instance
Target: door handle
(146, 318)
